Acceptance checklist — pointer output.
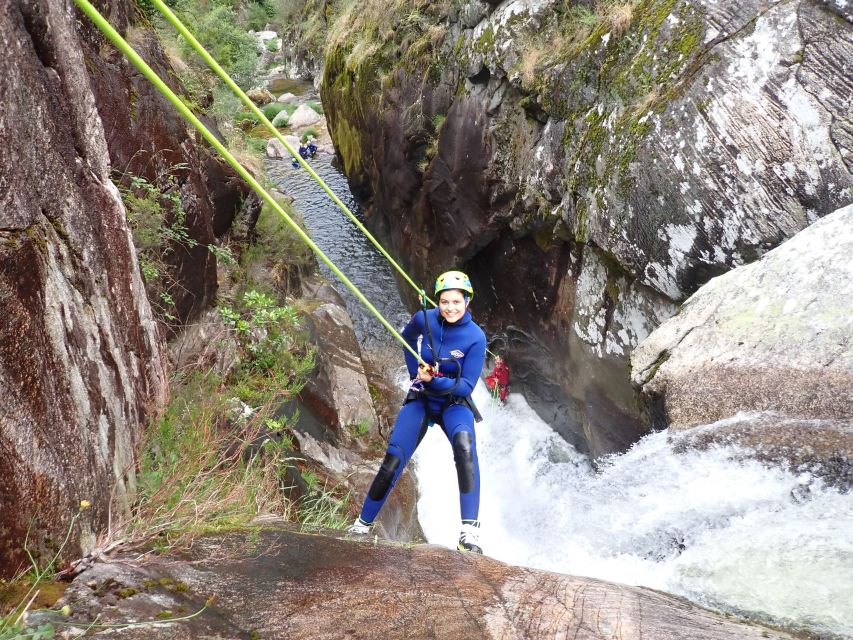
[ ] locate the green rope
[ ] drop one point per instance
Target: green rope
(122, 45)
(176, 22)
(217, 68)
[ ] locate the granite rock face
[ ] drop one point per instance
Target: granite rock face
(772, 336)
(147, 138)
(591, 178)
(82, 356)
(288, 585)
(82, 360)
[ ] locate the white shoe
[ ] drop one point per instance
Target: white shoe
(360, 527)
(469, 539)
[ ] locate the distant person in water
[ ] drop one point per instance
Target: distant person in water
(440, 395)
(498, 380)
(303, 153)
(312, 146)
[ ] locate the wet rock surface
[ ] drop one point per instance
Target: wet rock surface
(286, 584)
(590, 193)
(821, 447)
(82, 359)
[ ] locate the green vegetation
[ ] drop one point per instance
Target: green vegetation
(310, 131)
(270, 111)
(25, 590)
(272, 45)
(158, 222)
(220, 454)
(222, 27)
(361, 428)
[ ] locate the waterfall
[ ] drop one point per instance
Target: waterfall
(715, 525)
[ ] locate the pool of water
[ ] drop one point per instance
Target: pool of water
(280, 85)
(346, 246)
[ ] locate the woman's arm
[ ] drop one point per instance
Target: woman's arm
(411, 332)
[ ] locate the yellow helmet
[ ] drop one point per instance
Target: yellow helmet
(454, 280)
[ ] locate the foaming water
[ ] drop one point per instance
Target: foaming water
(345, 245)
(713, 525)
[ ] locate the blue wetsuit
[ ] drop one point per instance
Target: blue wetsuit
(442, 401)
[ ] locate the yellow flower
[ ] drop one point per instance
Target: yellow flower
(85, 504)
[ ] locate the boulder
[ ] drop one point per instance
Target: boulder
(287, 97)
(264, 36)
(471, 13)
(304, 116)
(280, 119)
(275, 149)
(82, 359)
(337, 391)
(293, 141)
(772, 336)
(260, 96)
(305, 585)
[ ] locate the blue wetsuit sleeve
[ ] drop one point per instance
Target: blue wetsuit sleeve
(411, 332)
(472, 366)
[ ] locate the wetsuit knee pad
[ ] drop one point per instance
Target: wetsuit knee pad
(384, 477)
(463, 453)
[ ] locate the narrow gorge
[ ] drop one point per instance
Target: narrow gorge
(654, 201)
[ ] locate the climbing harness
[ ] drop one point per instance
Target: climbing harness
(122, 45)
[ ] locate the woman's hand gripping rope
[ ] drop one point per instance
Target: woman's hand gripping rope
(427, 372)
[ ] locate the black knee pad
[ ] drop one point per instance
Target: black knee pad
(463, 453)
(384, 477)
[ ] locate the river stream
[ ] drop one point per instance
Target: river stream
(715, 525)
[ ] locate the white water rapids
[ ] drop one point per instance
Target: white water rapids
(714, 526)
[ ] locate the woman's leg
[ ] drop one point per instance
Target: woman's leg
(459, 428)
(407, 434)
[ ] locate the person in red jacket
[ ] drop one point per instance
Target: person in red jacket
(498, 380)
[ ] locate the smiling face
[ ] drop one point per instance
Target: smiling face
(451, 305)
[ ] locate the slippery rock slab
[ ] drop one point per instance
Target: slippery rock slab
(822, 447)
(283, 584)
(776, 335)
